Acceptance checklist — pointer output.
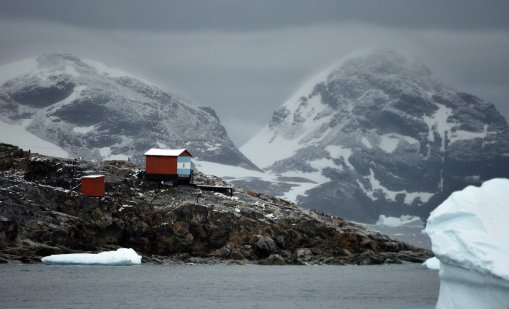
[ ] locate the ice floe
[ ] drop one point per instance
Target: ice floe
(120, 257)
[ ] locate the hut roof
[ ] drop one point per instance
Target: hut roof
(166, 152)
(93, 176)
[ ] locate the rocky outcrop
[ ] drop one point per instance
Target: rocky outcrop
(42, 213)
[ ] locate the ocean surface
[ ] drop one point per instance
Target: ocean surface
(147, 286)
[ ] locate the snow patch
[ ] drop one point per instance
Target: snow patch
(320, 164)
(340, 152)
(18, 136)
(438, 123)
(106, 154)
(105, 151)
(234, 173)
(300, 188)
(264, 143)
(389, 142)
(390, 195)
(83, 130)
(117, 157)
(229, 171)
(366, 143)
(411, 196)
(467, 135)
(25, 123)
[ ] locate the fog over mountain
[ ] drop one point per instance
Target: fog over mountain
(243, 58)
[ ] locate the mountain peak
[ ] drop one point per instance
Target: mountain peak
(377, 132)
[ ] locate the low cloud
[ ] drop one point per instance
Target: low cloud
(245, 75)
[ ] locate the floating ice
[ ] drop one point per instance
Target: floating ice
(404, 220)
(121, 257)
(432, 263)
(469, 236)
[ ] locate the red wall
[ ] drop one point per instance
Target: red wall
(161, 165)
(92, 186)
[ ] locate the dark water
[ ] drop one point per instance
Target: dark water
(218, 286)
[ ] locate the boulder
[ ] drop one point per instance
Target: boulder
(264, 246)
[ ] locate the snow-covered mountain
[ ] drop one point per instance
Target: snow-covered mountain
(96, 112)
(378, 134)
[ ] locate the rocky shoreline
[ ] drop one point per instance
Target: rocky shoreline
(43, 213)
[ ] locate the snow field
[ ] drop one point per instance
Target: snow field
(18, 136)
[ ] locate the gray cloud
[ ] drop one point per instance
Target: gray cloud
(246, 65)
(237, 15)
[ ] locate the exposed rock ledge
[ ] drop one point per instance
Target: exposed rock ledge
(40, 215)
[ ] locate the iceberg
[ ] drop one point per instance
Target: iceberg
(432, 263)
(469, 233)
(120, 257)
(404, 220)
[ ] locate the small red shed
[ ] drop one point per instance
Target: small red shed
(92, 185)
(168, 164)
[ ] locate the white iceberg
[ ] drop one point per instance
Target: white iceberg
(469, 234)
(404, 220)
(121, 257)
(432, 263)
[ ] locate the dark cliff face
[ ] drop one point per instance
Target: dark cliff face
(41, 216)
(387, 138)
(93, 112)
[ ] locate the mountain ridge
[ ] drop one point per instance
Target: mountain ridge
(96, 112)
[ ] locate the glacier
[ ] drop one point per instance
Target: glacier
(469, 232)
(120, 257)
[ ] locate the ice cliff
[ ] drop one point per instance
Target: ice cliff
(469, 236)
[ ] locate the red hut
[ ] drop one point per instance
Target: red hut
(92, 185)
(168, 164)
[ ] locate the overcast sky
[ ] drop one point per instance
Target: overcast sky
(244, 58)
